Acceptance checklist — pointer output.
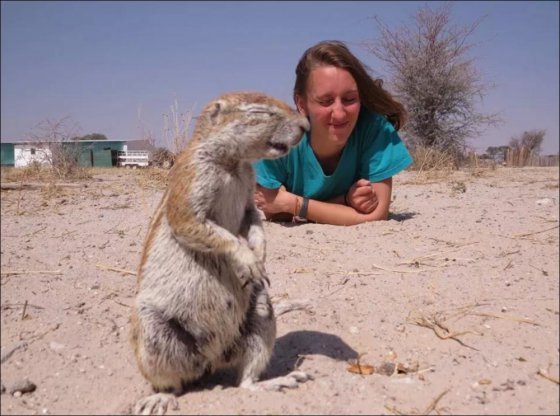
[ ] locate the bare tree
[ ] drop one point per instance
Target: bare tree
(531, 140)
(434, 78)
(524, 150)
(60, 151)
(176, 127)
(145, 132)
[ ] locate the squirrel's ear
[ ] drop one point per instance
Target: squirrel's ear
(215, 110)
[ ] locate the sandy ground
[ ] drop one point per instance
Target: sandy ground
(454, 301)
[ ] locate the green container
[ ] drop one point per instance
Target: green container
(7, 154)
(99, 153)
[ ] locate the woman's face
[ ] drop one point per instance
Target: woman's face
(332, 103)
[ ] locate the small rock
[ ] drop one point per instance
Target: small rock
(55, 346)
(405, 380)
(545, 201)
(386, 369)
(22, 386)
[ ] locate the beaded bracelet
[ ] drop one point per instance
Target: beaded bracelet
(296, 209)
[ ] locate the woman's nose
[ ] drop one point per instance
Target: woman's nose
(338, 110)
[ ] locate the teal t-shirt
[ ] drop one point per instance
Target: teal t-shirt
(374, 151)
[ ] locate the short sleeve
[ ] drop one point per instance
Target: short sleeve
(383, 152)
(270, 173)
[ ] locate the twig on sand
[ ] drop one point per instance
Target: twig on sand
(433, 404)
(431, 407)
(356, 273)
(396, 271)
(37, 337)
(17, 305)
(512, 318)
(438, 326)
(23, 312)
(9, 351)
(35, 232)
(436, 321)
(543, 373)
(8, 272)
(533, 233)
(114, 269)
(417, 260)
(34, 185)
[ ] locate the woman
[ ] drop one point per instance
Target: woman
(341, 172)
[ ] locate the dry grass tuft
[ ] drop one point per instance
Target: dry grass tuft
(31, 173)
(431, 165)
(431, 159)
(40, 173)
(154, 177)
(434, 165)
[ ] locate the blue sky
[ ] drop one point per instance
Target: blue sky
(114, 67)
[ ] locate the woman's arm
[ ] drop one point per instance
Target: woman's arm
(276, 201)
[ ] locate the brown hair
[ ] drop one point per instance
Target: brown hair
(372, 94)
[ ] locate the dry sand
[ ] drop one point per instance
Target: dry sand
(457, 293)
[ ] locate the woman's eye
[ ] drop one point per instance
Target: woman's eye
(345, 101)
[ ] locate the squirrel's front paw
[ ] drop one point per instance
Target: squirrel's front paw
(248, 267)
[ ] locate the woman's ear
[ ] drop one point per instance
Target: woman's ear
(300, 104)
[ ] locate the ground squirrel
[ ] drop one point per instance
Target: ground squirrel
(202, 301)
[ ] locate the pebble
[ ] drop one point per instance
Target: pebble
(56, 346)
(405, 380)
(21, 387)
(545, 201)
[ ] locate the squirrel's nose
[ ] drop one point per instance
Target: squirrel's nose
(304, 124)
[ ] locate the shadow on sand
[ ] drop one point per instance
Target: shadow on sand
(402, 216)
(285, 356)
(288, 348)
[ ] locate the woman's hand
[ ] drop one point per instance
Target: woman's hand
(362, 197)
(274, 201)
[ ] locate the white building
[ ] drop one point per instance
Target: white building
(28, 153)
